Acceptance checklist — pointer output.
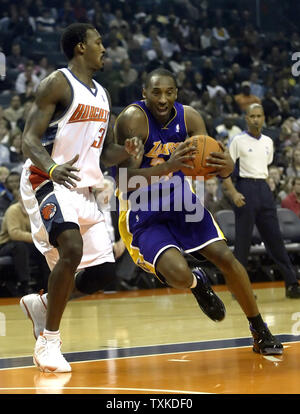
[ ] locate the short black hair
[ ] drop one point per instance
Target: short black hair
(72, 35)
(159, 72)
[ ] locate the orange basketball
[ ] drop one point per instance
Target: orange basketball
(205, 145)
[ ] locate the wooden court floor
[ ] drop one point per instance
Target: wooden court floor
(155, 342)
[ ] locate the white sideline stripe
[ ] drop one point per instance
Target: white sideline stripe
(104, 389)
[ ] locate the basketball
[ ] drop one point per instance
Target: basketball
(205, 145)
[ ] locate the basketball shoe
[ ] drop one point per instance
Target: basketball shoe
(47, 355)
(34, 307)
(265, 343)
(208, 301)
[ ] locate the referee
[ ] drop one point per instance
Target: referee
(252, 152)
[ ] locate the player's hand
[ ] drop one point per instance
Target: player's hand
(64, 173)
(238, 199)
(221, 162)
(135, 147)
(183, 153)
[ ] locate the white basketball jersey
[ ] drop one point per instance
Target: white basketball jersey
(81, 130)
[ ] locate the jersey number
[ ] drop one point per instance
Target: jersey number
(98, 141)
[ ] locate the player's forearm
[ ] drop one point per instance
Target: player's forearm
(114, 154)
(32, 148)
(228, 184)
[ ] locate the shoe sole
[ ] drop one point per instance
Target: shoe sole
(47, 368)
(268, 351)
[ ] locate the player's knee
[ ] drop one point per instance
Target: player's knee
(178, 275)
(225, 259)
(71, 252)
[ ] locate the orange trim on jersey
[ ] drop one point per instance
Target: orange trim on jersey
(85, 113)
(37, 176)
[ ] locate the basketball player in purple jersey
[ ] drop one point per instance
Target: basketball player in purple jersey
(156, 239)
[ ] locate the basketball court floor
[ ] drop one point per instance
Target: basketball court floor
(155, 342)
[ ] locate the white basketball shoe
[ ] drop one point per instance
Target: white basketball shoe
(47, 355)
(34, 307)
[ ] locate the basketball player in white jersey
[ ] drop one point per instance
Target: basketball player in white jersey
(66, 131)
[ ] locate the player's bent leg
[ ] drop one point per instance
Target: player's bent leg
(238, 282)
(235, 275)
(175, 269)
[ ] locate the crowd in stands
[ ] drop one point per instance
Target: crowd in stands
(222, 58)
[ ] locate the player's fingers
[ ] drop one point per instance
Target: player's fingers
(212, 174)
(222, 146)
(216, 156)
(74, 177)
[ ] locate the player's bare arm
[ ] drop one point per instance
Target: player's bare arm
(132, 123)
(113, 153)
(53, 95)
(221, 161)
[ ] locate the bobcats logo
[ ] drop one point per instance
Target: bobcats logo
(48, 211)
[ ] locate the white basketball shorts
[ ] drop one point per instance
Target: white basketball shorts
(51, 207)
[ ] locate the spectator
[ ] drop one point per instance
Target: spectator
(4, 132)
(230, 50)
(4, 155)
(152, 45)
(65, 14)
(15, 110)
(118, 20)
(12, 184)
(138, 34)
(293, 170)
(46, 22)
(215, 89)
(16, 241)
(116, 52)
(292, 200)
(129, 76)
(229, 126)
(220, 33)
(79, 9)
(4, 172)
(255, 86)
(280, 184)
(15, 148)
(16, 60)
(272, 184)
(245, 98)
(27, 82)
(43, 68)
(243, 58)
(271, 108)
(176, 63)
(211, 193)
(168, 46)
(205, 39)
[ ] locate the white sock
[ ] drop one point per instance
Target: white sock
(194, 284)
(51, 335)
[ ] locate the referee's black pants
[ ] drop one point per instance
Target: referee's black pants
(260, 209)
